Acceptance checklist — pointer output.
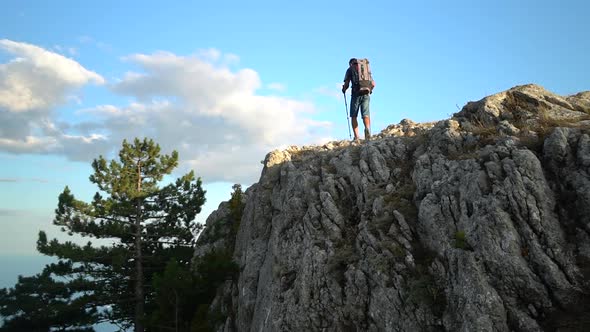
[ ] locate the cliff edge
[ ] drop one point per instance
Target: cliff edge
(480, 222)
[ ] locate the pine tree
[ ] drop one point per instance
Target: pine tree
(41, 303)
(236, 207)
(177, 298)
(146, 225)
(185, 293)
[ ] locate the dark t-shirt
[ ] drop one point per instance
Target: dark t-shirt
(348, 77)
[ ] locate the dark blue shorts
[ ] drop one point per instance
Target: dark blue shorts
(359, 102)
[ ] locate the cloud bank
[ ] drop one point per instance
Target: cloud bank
(211, 114)
(32, 85)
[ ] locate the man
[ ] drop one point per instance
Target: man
(357, 101)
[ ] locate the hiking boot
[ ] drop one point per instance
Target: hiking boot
(367, 133)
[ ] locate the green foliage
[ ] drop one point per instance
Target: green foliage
(402, 199)
(44, 303)
(236, 207)
(344, 255)
(485, 130)
(396, 249)
(226, 229)
(146, 225)
(461, 241)
(424, 290)
(184, 297)
(206, 319)
(212, 270)
(201, 322)
(381, 263)
(421, 287)
(177, 298)
(533, 130)
(380, 224)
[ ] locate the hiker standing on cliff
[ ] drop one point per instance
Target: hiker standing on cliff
(359, 73)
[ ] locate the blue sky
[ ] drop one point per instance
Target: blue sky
(225, 82)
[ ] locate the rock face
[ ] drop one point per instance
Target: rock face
(476, 223)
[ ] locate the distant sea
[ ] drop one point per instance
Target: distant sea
(13, 266)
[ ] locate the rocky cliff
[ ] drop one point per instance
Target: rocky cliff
(476, 223)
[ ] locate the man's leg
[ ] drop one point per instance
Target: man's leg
(354, 110)
(367, 123)
(364, 106)
(355, 127)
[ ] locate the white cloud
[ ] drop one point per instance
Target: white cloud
(209, 55)
(101, 110)
(32, 84)
(211, 114)
(39, 180)
(212, 55)
(62, 49)
(29, 144)
(277, 87)
(46, 64)
(231, 59)
(335, 91)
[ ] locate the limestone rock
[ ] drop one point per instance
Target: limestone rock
(480, 222)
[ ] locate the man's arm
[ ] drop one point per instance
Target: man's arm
(346, 81)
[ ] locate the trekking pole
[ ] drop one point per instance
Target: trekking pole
(346, 111)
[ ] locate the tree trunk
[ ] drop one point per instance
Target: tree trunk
(175, 310)
(139, 296)
(139, 299)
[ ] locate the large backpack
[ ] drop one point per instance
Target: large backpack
(362, 79)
